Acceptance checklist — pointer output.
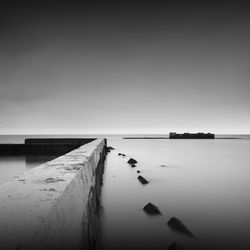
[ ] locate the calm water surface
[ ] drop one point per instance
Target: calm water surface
(206, 184)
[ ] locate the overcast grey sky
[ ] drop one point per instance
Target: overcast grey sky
(125, 67)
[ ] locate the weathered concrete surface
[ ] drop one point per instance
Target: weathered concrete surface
(53, 206)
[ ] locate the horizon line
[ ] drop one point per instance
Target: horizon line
(117, 133)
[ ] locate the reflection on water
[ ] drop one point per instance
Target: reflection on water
(11, 166)
(204, 183)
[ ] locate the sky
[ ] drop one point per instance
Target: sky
(124, 67)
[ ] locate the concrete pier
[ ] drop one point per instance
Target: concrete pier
(54, 206)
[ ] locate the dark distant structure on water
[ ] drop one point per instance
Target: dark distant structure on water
(174, 135)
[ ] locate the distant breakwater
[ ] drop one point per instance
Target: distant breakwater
(44, 146)
(173, 135)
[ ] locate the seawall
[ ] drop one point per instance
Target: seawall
(54, 206)
(44, 146)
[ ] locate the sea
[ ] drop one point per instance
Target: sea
(204, 183)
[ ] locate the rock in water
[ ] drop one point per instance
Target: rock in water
(121, 154)
(132, 161)
(133, 165)
(138, 171)
(177, 225)
(176, 246)
(151, 209)
(163, 166)
(142, 179)
(108, 149)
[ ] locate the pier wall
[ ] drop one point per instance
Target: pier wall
(54, 206)
(44, 146)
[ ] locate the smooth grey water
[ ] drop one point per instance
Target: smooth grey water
(205, 183)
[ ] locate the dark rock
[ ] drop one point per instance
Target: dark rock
(142, 179)
(108, 149)
(173, 135)
(177, 225)
(176, 246)
(151, 209)
(132, 161)
(121, 154)
(133, 165)
(163, 166)
(138, 171)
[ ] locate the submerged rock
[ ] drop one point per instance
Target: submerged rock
(177, 225)
(133, 165)
(176, 246)
(121, 154)
(138, 171)
(142, 179)
(163, 166)
(132, 161)
(108, 149)
(151, 209)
